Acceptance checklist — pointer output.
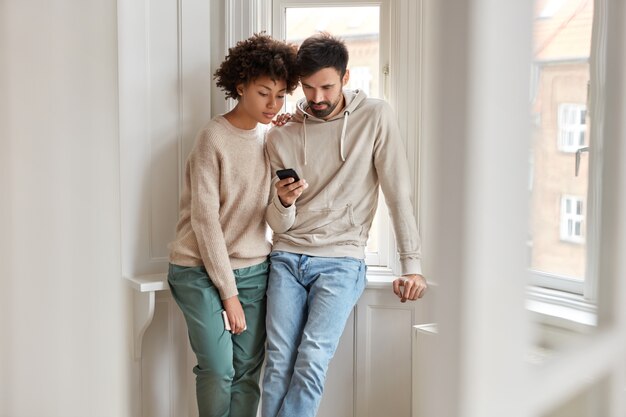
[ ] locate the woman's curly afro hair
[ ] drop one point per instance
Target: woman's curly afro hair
(258, 56)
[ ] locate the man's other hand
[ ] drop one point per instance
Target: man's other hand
(410, 287)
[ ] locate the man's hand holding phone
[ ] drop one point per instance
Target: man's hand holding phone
(290, 186)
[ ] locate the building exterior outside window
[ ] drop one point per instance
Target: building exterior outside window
(562, 44)
(572, 126)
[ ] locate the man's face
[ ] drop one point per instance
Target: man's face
(322, 90)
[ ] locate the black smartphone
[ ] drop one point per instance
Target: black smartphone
(287, 173)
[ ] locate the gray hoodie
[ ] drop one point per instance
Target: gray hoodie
(344, 160)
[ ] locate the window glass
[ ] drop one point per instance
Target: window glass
(560, 74)
(359, 27)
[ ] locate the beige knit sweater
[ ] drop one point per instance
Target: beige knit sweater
(222, 206)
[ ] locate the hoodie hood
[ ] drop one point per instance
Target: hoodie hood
(352, 100)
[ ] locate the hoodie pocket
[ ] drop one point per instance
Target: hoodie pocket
(326, 226)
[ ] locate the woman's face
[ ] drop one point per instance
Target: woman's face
(262, 99)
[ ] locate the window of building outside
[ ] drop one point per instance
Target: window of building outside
(572, 126)
(359, 27)
(572, 218)
(561, 71)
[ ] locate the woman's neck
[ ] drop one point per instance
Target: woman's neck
(238, 118)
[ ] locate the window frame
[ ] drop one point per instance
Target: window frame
(384, 262)
(567, 291)
(401, 76)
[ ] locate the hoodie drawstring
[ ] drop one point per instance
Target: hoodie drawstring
(304, 128)
(346, 114)
(343, 135)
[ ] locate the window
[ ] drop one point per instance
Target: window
(550, 8)
(361, 79)
(572, 219)
(359, 26)
(572, 126)
(560, 77)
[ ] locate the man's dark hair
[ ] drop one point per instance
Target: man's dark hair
(322, 51)
(258, 56)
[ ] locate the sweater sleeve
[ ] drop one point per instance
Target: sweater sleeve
(204, 171)
(393, 173)
(279, 217)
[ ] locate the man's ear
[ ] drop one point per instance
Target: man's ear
(346, 78)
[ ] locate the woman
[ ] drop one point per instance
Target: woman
(218, 261)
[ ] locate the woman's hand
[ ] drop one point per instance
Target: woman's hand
(236, 316)
(281, 119)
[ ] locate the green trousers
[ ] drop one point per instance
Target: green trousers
(228, 369)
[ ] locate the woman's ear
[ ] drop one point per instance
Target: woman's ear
(240, 89)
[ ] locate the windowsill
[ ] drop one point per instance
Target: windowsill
(148, 283)
(377, 277)
(146, 287)
(562, 319)
(560, 309)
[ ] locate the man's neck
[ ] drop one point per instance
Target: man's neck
(338, 109)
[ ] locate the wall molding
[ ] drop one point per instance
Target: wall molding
(165, 79)
(164, 97)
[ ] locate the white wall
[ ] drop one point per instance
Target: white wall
(64, 309)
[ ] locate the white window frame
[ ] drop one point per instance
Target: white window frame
(399, 51)
(400, 76)
(380, 259)
(570, 128)
(563, 290)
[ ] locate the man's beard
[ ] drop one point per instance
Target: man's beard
(320, 114)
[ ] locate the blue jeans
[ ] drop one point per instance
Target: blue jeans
(309, 300)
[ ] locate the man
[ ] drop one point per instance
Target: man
(344, 146)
